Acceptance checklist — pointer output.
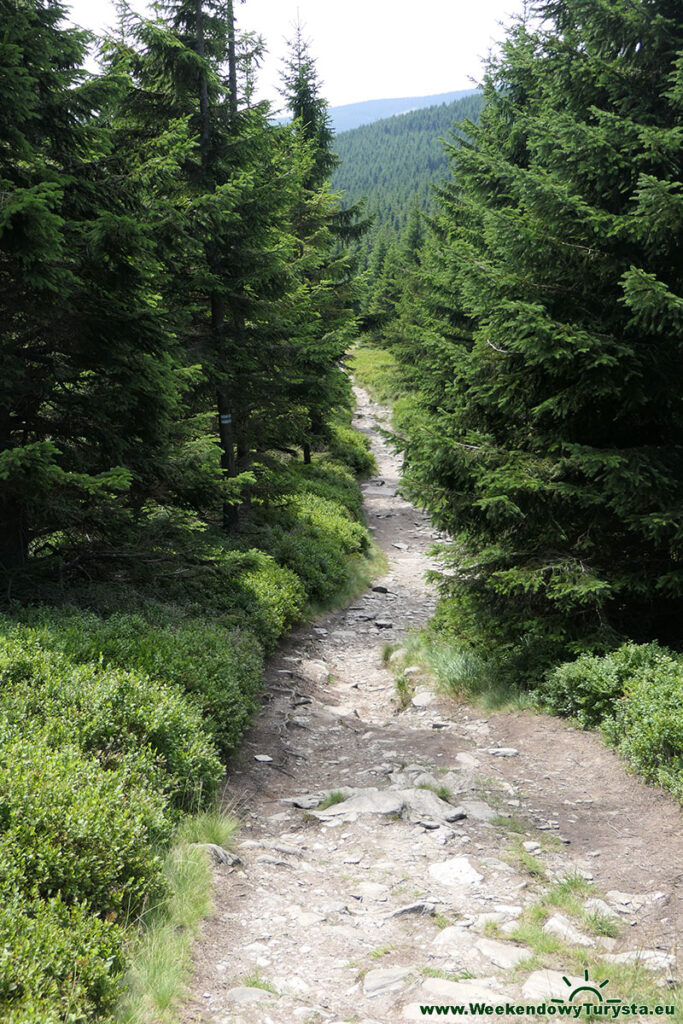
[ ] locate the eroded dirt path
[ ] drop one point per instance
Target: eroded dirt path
(394, 897)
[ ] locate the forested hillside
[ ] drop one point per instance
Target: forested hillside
(352, 115)
(394, 164)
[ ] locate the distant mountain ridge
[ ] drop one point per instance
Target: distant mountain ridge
(394, 163)
(353, 115)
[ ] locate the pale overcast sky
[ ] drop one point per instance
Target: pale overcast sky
(365, 49)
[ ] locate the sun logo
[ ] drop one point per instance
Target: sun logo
(587, 988)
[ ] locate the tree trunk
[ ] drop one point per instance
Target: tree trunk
(307, 454)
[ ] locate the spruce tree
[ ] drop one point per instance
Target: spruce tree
(88, 386)
(323, 322)
(549, 349)
(188, 65)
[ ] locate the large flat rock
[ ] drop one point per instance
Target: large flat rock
(456, 872)
(502, 954)
(549, 985)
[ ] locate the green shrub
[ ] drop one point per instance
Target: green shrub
(589, 688)
(221, 669)
(276, 598)
(109, 712)
(57, 963)
(352, 448)
(648, 727)
(333, 481)
(70, 828)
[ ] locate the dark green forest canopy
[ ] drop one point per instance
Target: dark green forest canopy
(543, 340)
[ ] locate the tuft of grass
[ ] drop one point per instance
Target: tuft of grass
(530, 933)
(381, 951)
(527, 862)
(435, 972)
(492, 930)
(440, 921)
(601, 924)
(211, 826)
(161, 961)
(460, 672)
(387, 651)
(510, 823)
(566, 892)
(335, 797)
(405, 691)
(161, 953)
(256, 981)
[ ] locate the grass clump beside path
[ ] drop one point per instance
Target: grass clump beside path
(120, 700)
(376, 370)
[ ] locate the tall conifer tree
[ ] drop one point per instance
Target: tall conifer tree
(323, 268)
(88, 384)
(551, 346)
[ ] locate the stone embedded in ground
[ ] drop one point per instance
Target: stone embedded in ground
(412, 670)
(371, 891)
(305, 803)
(468, 760)
(562, 928)
(315, 671)
(628, 902)
(549, 984)
(502, 954)
(425, 779)
(264, 758)
(368, 801)
(412, 803)
(423, 803)
(379, 589)
(421, 907)
(531, 847)
(291, 985)
(385, 979)
(503, 751)
(243, 994)
(459, 993)
(453, 939)
(422, 699)
(479, 810)
(596, 906)
(652, 959)
(384, 623)
(457, 872)
(218, 854)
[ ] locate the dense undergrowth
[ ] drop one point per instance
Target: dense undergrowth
(632, 693)
(118, 707)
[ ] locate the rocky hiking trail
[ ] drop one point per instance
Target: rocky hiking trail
(394, 897)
